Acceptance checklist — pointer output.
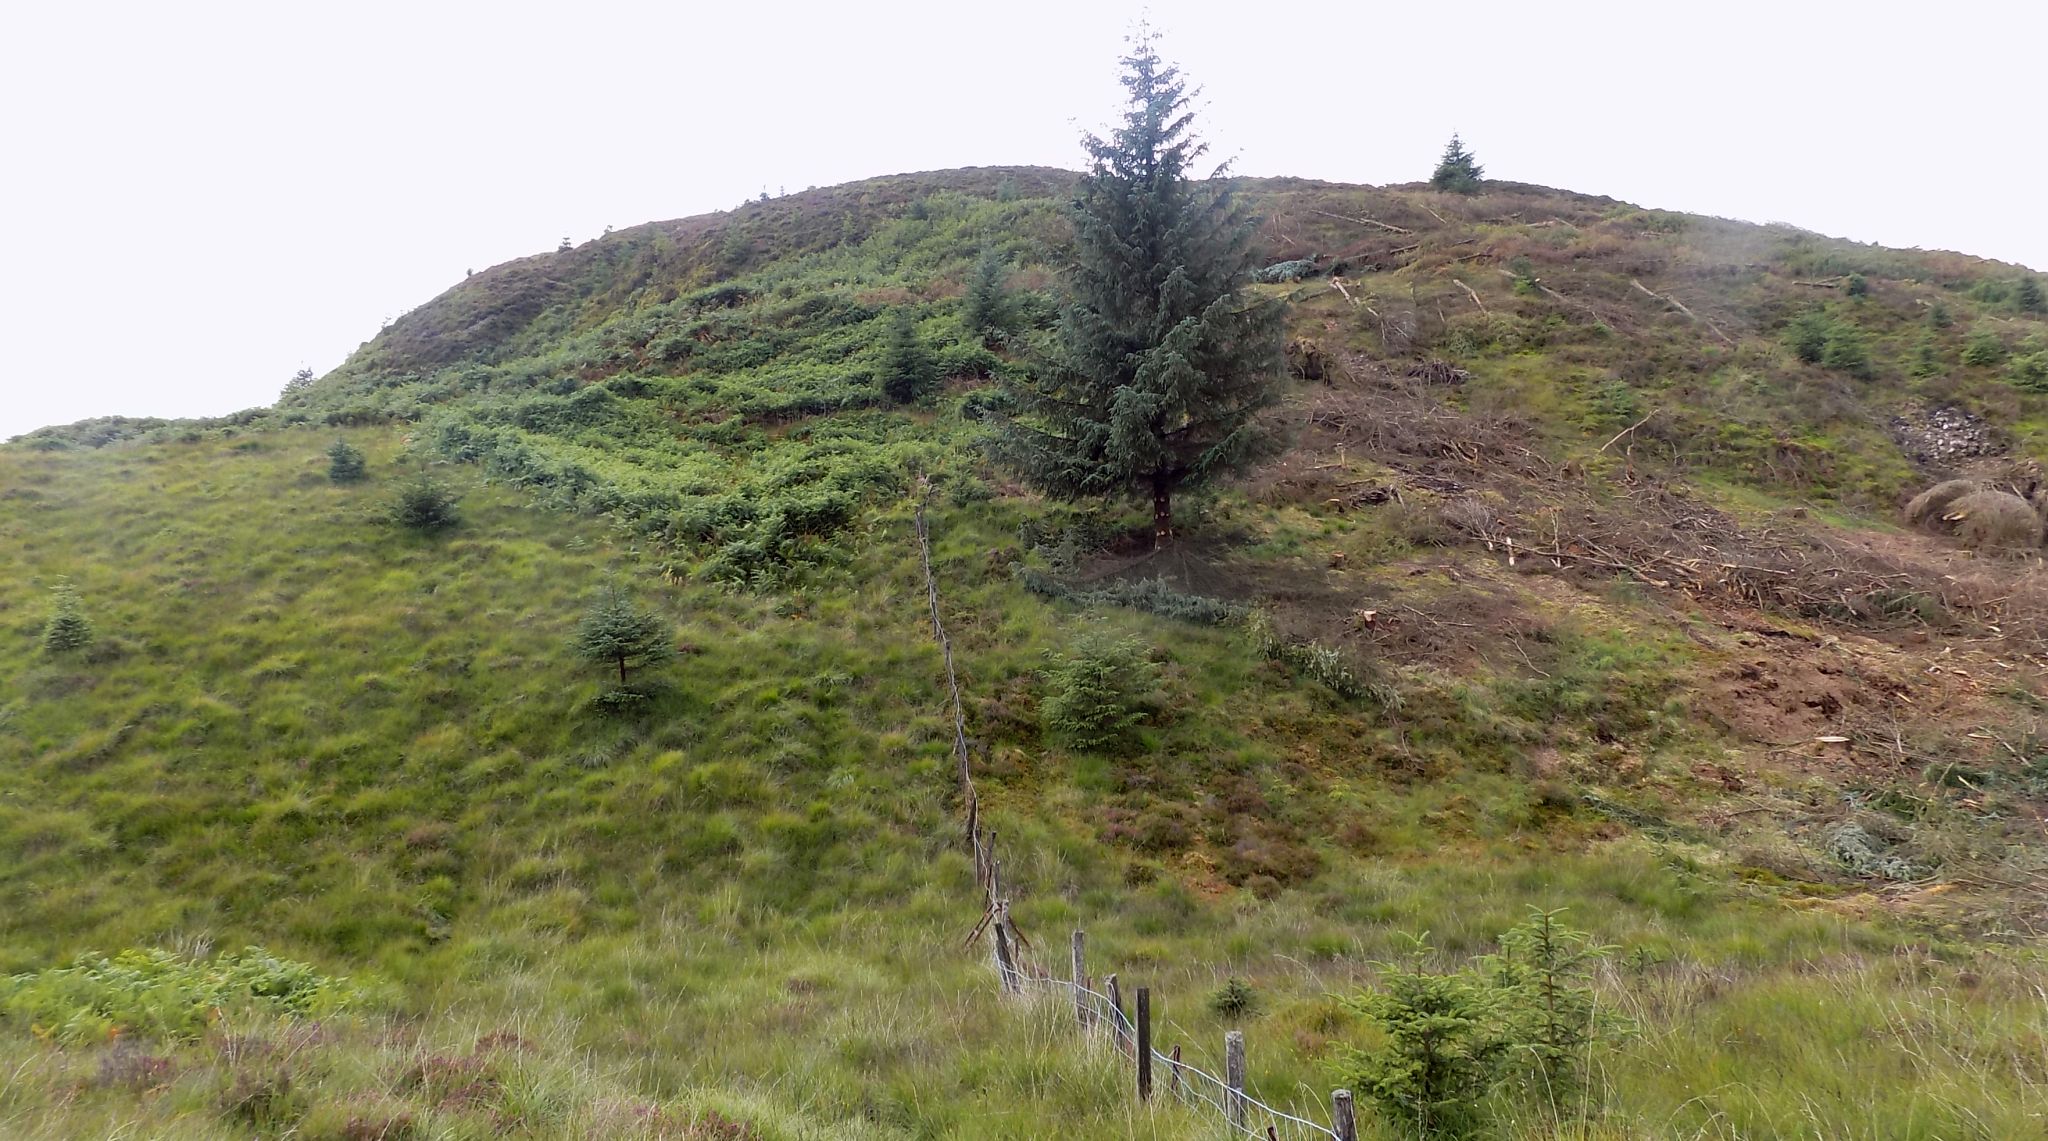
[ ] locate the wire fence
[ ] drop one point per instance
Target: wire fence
(1184, 1081)
(1094, 1011)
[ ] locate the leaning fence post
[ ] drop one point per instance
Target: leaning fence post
(1343, 1116)
(1080, 981)
(1144, 1043)
(1173, 1071)
(1116, 1006)
(1006, 966)
(974, 837)
(1233, 1077)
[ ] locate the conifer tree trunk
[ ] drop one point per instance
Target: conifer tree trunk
(1162, 511)
(622, 669)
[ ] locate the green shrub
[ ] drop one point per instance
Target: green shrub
(68, 628)
(424, 505)
(2027, 295)
(1098, 694)
(1807, 336)
(1449, 1040)
(1845, 352)
(345, 463)
(1927, 358)
(1858, 285)
(2029, 372)
(1983, 349)
(1234, 1000)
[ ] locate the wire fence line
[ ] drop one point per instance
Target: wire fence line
(1017, 971)
(1185, 1081)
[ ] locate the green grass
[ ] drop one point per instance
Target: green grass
(375, 751)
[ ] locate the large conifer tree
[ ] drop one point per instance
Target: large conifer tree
(1163, 361)
(1457, 171)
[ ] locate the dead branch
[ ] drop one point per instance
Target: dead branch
(1555, 295)
(1364, 222)
(1626, 431)
(1337, 283)
(1680, 306)
(1472, 293)
(1434, 214)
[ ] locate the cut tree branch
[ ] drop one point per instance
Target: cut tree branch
(1680, 306)
(1626, 431)
(1364, 222)
(1472, 293)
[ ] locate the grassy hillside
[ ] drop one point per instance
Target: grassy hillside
(1689, 681)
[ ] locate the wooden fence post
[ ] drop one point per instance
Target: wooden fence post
(1080, 981)
(1006, 965)
(1116, 1018)
(1173, 1071)
(974, 838)
(1233, 1077)
(1343, 1116)
(1144, 1043)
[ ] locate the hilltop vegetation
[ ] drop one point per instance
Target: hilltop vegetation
(1579, 586)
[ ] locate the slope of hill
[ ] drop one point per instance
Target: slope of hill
(1580, 587)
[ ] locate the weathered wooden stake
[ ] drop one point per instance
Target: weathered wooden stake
(1173, 1071)
(1233, 1077)
(1006, 966)
(1080, 981)
(1144, 1043)
(1342, 1116)
(1116, 1019)
(974, 838)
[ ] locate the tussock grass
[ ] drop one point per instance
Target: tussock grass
(376, 750)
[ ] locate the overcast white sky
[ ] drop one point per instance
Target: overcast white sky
(205, 196)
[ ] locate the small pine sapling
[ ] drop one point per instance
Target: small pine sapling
(425, 506)
(984, 309)
(68, 628)
(1442, 1048)
(618, 633)
(1546, 970)
(1984, 349)
(907, 371)
(1098, 695)
(345, 463)
(1234, 1000)
(2028, 295)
